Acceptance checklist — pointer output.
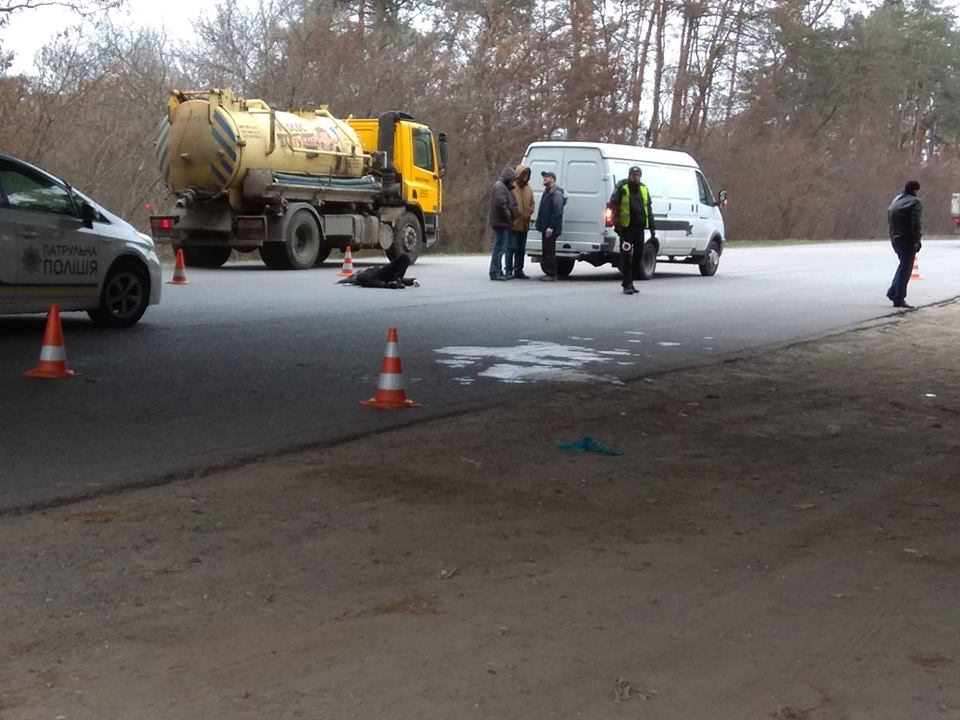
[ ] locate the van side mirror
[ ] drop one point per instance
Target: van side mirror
(88, 213)
(442, 147)
(722, 199)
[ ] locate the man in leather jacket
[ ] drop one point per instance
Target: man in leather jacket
(904, 216)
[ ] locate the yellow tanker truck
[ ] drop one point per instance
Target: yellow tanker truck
(294, 184)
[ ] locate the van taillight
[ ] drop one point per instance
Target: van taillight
(608, 217)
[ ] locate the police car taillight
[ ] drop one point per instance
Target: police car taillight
(608, 217)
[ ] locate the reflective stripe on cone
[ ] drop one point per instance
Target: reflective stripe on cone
(347, 269)
(53, 355)
(390, 394)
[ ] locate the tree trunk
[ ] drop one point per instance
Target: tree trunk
(660, 10)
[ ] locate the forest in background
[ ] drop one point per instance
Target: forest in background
(811, 115)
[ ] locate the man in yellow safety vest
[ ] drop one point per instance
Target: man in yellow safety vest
(632, 215)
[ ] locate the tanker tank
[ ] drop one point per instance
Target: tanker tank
(210, 140)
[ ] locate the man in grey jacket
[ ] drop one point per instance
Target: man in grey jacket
(503, 211)
(903, 217)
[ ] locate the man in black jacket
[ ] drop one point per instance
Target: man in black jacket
(903, 216)
(550, 224)
(632, 215)
(503, 211)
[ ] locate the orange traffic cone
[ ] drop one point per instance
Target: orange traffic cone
(390, 393)
(347, 269)
(53, 356)
(916, 270)
(179, 271)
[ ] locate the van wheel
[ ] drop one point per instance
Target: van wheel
(711, 261)
(124, 297)
(648, 261)
(407, 238)
(565, 266)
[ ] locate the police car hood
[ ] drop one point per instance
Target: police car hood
(121, 226)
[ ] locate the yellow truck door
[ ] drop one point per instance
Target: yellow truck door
(421, 178)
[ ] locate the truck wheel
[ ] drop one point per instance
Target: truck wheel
(407, 238)
(565, 266)
(648, 261)
(274, 256)
(322, 255)
(303, 240)
(711, 261)
(124, 297)
(205, 257)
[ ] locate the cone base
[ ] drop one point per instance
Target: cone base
(178, 282)
(389, 405)
(50, 374)
(346, 273)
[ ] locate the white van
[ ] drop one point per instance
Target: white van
(686, 214)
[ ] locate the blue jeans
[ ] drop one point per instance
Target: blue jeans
(501, 240)
(520, 251)
(510, 252)
(898, 288)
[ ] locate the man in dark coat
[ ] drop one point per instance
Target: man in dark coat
(632, 216)
(903, 216)
(503, 211)
(550, 224)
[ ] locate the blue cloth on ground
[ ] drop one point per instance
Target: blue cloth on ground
(588, 444)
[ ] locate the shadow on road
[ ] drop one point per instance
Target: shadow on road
(71, 323)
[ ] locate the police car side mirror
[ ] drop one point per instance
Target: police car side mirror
(88, 213)
(722, 199)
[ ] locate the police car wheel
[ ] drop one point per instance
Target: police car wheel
(565, 266)
(711, 261)
(124, 297)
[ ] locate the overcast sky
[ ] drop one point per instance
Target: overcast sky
(30, 30)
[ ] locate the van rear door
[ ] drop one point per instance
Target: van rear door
(583, 215)
(579, 172)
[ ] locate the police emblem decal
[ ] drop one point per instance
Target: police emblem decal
(30, 259)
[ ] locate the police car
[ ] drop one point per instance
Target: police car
(59, 246)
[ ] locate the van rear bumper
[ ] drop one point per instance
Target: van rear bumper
(574, 249)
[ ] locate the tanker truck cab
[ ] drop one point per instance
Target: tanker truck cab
(295, 184)
(417, 159)
(687, 217)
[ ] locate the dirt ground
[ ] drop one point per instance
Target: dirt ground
(779, 539)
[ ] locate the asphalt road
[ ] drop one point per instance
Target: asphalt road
(246, 361)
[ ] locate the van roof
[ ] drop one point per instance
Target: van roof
(623, 152)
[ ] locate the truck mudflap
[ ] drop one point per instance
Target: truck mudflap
(250, 230)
